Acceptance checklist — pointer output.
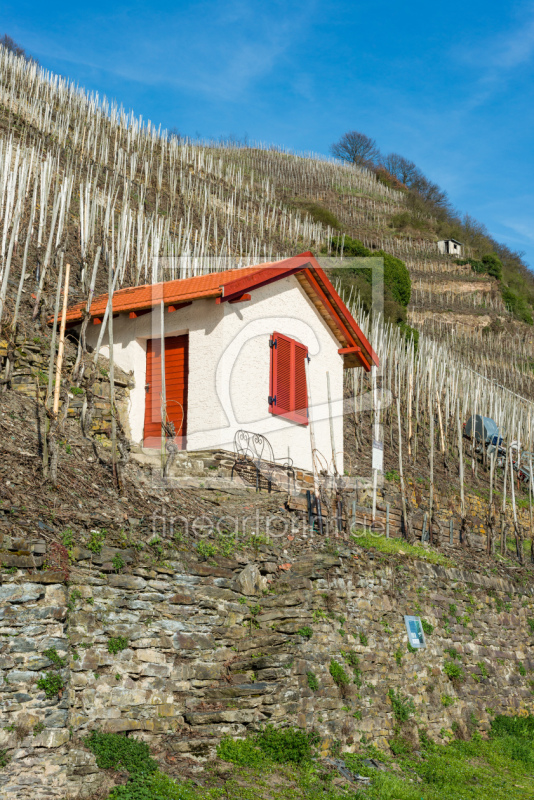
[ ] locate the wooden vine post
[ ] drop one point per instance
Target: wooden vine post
(61, 344)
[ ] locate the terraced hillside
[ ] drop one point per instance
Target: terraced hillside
(83, 181)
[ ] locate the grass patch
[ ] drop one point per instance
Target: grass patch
(393, 546)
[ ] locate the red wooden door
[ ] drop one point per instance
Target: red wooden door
(176, 371)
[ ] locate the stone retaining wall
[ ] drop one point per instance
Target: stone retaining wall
(213, 648)
(30, 370)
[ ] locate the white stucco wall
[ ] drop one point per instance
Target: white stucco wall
(229, 361)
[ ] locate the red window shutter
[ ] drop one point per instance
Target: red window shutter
(301, 390)
(288, 391)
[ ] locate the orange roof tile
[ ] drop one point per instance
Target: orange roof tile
(232, 284)
(151, 294)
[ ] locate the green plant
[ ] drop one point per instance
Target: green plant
(354, 662)
(4, 758)
(305, 632)
(400, 745)
(206, 549)
(483, 671)
(453, 670)
(116, 644)
(398, 657)
(51, 683)
(392, 475)
(427, 627)
(521, 668)
(318, 615)
(287, 744)
(363, 639)
(67, 537)
(517, 305)
(364, 538)
(38, 728)
(338, 674)
(76, 390)
(118, 562)
(117, 676)
(313, 683)
(115, 751)
(74, 595)
(96, 540)
(447, 700)
(244, 752)
(530, 622)
(403, 707)
(53, 655)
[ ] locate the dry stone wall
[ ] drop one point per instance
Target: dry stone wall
(183, 653)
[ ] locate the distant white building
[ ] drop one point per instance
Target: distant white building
(450, 247)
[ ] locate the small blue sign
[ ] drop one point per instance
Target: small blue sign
(414, 629)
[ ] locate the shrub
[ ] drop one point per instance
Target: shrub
(403, 707)
(51, 684)
(115, 751)
(453, 670)
(521, 727)
(396, 277)
(116, 644)
(240, 751)
(338, 674)
(313, 683)
(397, 283)
(321, 214)
(493, 265)
(410, 333)
(400, 745)
(287, 744)
(517, 305)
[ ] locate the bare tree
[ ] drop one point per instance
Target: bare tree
(11, 45)
(401, 168)
(357, 148)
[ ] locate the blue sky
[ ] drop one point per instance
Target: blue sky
(448, 85)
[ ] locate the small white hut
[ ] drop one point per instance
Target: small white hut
(450, 247)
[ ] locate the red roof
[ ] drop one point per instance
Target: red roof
(232, 284)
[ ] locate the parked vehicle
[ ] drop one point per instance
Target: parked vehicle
(488, 437)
